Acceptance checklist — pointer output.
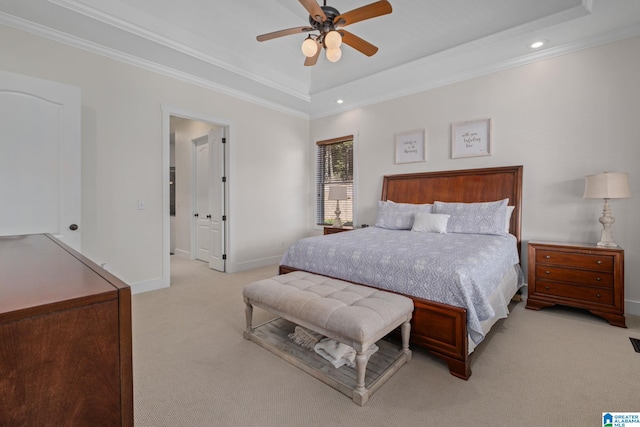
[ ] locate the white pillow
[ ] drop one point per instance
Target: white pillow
(430, 223)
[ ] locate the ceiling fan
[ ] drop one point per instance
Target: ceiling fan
(329, 23)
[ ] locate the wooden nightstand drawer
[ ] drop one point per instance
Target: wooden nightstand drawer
(332, 230)
(580, 277)
(591, 262)
(600, 296)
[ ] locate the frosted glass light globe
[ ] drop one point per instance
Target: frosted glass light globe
(333, 40)
(333, 55)
(309, 47)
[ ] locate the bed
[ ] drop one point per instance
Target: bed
(449, 327)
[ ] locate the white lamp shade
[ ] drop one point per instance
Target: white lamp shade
(607, 185)
(309, 47)
(333, 40)
(338, 192)
(334, 55)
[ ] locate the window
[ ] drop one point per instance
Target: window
(334, 167)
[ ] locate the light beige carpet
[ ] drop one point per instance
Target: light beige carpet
(557, 366)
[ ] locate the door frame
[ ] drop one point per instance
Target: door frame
(167, 112)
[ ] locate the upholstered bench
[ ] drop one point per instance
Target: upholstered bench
(358, 316)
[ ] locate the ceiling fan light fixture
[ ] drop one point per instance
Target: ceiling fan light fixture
(309, 47)
(333, 55)
(332, 39)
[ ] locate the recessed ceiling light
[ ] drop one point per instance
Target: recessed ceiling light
(339, 101)
(537, 44)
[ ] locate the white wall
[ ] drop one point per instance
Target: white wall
(122, 158)
(561, 119)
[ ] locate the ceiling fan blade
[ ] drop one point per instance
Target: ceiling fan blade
(314, 10)
(369, 11)
(310, 61)
(358, 43)
(289, 31)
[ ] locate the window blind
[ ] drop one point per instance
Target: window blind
(334, 167)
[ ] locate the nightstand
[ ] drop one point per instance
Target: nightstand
(332, 230)
(579, 275)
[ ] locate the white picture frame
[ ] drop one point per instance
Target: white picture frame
(410, 147)
(471, 139)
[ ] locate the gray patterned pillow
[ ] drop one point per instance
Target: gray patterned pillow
(399, 216)
(475, 218)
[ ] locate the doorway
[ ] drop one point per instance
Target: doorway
(184, 182)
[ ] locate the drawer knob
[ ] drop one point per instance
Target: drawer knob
(598, 262)
(598, 295)
(546, 287)
(547, 272)
(598, 279)
(548, 257)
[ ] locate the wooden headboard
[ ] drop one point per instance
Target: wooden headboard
(470, 185)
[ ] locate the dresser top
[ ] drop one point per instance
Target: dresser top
(573, 244)
(38, 275)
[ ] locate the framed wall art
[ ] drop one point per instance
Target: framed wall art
(410, 147)
(471, 139)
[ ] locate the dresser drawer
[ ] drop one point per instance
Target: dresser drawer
(581, 277)
(587, 261)
(582, 293)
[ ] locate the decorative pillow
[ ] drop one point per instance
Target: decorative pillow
(475, 218)
(399, 216)
(430, 223)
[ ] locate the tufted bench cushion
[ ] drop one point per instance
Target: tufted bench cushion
(355, 315)
(348, 312)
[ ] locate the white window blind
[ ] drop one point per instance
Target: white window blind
(334, 166)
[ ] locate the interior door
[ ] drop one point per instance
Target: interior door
(202, 212)
(216, 140)
(40, 158)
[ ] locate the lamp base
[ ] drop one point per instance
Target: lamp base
(607, 220)
(337, 223)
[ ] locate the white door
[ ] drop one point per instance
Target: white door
(202, 203)
(40, 158)
(216, 140)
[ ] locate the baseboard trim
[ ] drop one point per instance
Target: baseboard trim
(248, 265)
(181, 253)
(632, 307)
(148, 285)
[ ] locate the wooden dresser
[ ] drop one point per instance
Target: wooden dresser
(578, 275)
(65, 338)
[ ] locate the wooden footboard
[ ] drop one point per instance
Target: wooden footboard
(440, 328)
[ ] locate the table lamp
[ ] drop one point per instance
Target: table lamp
(337, 193)
(607, 186)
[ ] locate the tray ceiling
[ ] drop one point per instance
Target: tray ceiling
(422, 44)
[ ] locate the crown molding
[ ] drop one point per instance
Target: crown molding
(128, 27)
(64, 38)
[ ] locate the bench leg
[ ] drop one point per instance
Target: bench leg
(361, 394)
(405, 331)
(248, 314)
